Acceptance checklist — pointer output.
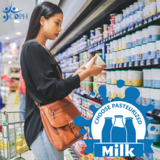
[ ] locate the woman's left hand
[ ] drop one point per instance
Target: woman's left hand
(81, 69)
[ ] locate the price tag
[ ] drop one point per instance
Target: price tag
(158, 15)
(82, 92)
(156, 61)
(140, 23)
(120, 65)
(93, 95)
(120, 32)
(145, 21)
(148, 62)
(130, 64)
(142, 63)
(98, 96)
(136, 63)
(155, 17)
(113, 66)
(132, 27)
(88, 92)
(110, 99)
(124, 30)
(150, 19)
(116, 65)
(125, 65)
(136, 25)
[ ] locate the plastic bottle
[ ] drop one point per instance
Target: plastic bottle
(118, 132)
(131, 132)
(107, 130)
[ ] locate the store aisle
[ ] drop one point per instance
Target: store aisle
(10, 106)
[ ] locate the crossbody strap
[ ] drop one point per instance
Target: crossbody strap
(37, 104)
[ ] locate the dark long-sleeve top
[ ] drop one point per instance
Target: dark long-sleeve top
(43, 85)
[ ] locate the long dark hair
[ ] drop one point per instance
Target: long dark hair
(46, 9)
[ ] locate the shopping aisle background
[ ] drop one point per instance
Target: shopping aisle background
(11, 106)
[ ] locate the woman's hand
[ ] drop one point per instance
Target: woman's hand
(93, 69)
(81, 69)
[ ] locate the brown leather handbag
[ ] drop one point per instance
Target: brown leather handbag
(57, 119)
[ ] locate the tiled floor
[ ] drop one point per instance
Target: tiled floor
(10, 106)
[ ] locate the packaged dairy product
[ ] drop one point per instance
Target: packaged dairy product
(151, 46)
(146, 96)
(147, 77)
(144, 52)
(138, 55)
(135, 77)
(155, 99)
(154, 32)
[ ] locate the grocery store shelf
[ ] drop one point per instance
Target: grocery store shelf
(135, 64)
(75, 152)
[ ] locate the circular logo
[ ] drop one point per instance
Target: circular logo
(118, 118)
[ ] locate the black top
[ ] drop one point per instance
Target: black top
(43, 85)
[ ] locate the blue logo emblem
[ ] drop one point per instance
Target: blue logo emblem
(118, 128)
(11, 13)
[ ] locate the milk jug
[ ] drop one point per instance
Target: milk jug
(118, 127)
(106, 131)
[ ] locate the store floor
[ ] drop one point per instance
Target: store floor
(10, 106)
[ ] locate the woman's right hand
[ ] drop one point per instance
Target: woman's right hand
(93, 69)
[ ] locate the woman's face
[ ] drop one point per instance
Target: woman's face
(52, 26)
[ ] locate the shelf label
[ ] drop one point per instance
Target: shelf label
(158, 15)
(148, 62)
(136, 25)
(142, 63)
(125, 65)
(140, 23)
(132, 27)
(93, 95)
(145, 20)
(87, 92)
(124, 30)
(120, 65)
(150, 19)
(98, 96)
(130, 64)
(116, 65)
(113, 66)
(110, 99)
(155, 17)
(136, 63)
(156, 61)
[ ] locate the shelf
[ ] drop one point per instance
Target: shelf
(136, 64)
(75, 152)
(140, 25)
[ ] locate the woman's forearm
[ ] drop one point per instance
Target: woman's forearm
(83, 75)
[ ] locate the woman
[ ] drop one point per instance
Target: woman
(42, 79)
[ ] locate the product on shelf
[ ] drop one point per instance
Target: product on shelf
(147, 76)
(154, 131)
(156, 150)
(146, 96)
(99, 61)
(155, 98)
(135, 77)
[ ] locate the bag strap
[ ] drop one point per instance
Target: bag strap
(37, 104)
